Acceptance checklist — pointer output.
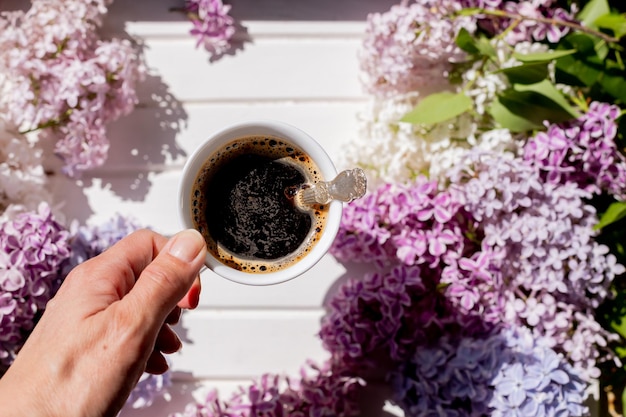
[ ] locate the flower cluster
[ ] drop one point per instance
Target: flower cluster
(319, 392)
(60, 77)
(213, 27)
(526, 20)
(34, 247)
(507, 373)
(383, 317)
(412, 224)
(410, 47)
(551, 272)
(582, 151)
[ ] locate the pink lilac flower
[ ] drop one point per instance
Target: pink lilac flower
(411, 47)
(582, 151)
(543, 267)
(506, 373)
(319, 392)
(60, 77)
(212, 25)
(33, 247)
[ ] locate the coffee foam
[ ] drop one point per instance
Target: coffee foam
(281, 151)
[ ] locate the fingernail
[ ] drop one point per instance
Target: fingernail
(187, 245)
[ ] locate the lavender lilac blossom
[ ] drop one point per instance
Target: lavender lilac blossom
(582, 151)
(506, 374)
(319, 392)
(213, 27)
(542, 268)
(33, 247)
(59, 76)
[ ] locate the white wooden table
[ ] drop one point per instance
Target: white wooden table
(297, 63)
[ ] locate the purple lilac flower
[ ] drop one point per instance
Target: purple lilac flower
(385, 315)
(65, 79)
(411, 224)
(507, 373)
(33, 246)
(148, 389)
(212, 25)
(582, 151)
(543, 267)
(452, 377)
(411, 47)
(319, 392)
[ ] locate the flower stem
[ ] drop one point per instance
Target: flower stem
(492, 13)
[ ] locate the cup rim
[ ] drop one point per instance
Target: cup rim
(299, 138)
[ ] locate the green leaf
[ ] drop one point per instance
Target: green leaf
(486, 48)
(543, 56)
(616, 23)
(614, 213)
(614, 83)
(438, 107)
(592, 11)
(508, 119)
(585, 66)
(466, 42)
(526, 73)
(547, 89)
(525, 107)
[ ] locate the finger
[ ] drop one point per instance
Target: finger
(192, 298)
(174, 316)
(166, 280)
(112, 274)
(167, 340)
(156, 364)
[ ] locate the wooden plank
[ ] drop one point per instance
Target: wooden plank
(263, 10)
(277, 69)
(244, 344)
(158, 138)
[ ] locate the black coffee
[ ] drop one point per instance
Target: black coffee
(242, 205)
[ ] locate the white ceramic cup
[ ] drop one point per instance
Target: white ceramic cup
(288, 133)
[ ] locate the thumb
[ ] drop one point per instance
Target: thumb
(166, 280)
